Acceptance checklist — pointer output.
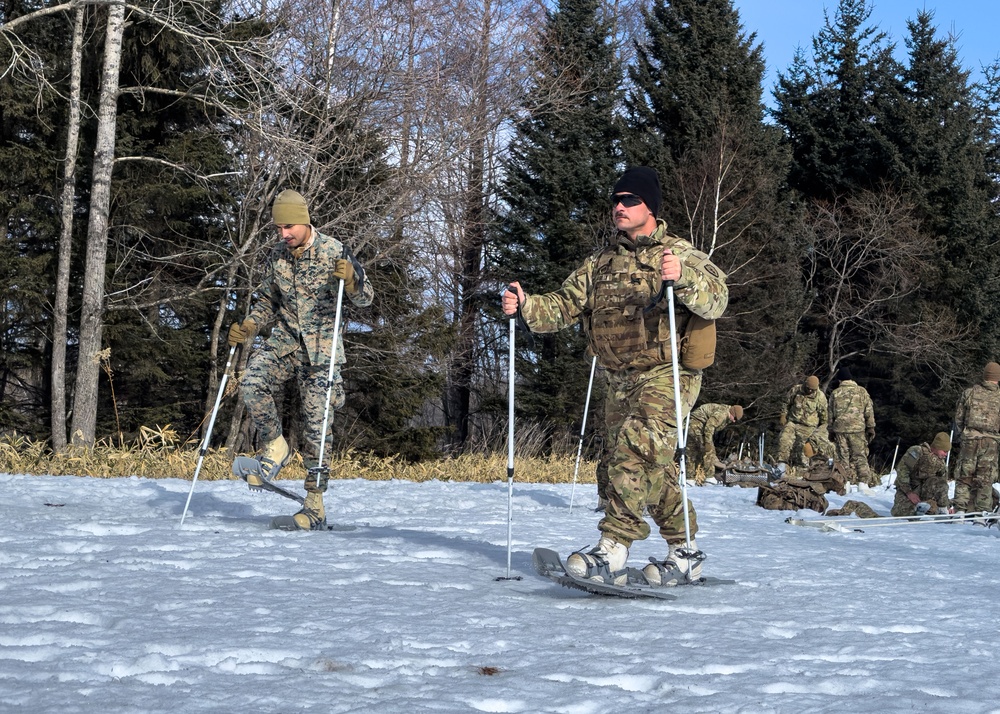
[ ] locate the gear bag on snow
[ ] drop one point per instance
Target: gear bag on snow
(805, 489)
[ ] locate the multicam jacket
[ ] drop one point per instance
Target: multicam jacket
(978, 412)
(920, 471)
(805, 409)
(708, 419)
(851, 408)
(609, 294)
(299, 296)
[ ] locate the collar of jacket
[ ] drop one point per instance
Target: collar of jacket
(643, 241)
(297, 253)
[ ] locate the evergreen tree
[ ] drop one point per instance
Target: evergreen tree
(939, 140)
(832, 107)
(563, 163)
(32, 139)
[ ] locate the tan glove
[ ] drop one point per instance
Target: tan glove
(242, 332)
(343, 269)
(782, 420)
(870, 435)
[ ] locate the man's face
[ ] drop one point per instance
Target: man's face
(809, 391)
(629, 212)
(294, 235)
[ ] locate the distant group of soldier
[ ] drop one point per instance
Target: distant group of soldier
(835, 433)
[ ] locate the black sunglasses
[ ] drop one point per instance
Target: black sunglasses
(629, 200)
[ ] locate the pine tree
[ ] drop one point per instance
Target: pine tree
(830, 106)
(32, 140)
(942, 151)
(563, 163)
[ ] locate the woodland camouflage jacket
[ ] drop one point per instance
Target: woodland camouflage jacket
(300, 298)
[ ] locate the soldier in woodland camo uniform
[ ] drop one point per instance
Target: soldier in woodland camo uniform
(299, 296)
(614, 294)
(923, 476)
(803, 419)
(852, 424)
(706, 420)
(977, 423)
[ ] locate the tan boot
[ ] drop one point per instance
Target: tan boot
(272, 459)
(312, 517)
(605, 563)
(682, 566)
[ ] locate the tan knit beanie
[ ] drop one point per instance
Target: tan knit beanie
(737, 411)
(290, 209)
(812, 382)
(942, 442)
(992, 372)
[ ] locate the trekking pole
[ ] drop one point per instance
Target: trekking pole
(892, 471)
(510, 443)
(208, 432)
(583, 427)
(681, 433)
(947, 459)
(318, 470)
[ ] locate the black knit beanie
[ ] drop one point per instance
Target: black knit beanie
(644, 183)
(844, 374)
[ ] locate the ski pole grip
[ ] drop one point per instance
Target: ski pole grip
(659, 296)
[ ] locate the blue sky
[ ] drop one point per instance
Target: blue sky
(783, 25)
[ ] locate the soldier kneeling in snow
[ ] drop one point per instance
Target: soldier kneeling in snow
(923, 477)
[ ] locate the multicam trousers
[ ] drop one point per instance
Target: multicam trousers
(852, 451)
(266, 373)
(700, 453)
(642, 437)
(793, 436)
(975, 472)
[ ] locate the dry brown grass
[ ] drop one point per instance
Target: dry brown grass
(158, 454)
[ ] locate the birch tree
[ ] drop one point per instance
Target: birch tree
(92, 312)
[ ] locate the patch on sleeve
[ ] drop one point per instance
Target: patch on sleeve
(702, 263)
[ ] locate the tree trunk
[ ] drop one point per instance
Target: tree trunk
(459, 401)
(59, 317)
(92, 313)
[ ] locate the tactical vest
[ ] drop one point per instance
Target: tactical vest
(983, 412)
(622, 334)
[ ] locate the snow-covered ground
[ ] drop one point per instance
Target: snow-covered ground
(107, 605)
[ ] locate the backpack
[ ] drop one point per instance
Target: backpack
(806, 488)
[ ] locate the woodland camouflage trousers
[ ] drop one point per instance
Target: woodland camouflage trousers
(642, 438)
(266, 374)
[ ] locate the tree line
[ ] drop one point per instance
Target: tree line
(460, 144)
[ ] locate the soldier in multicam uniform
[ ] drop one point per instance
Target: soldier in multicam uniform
(852, 424)
(923, 477)
(977, 422)
(614, 294)
(299, 295)
(803, 419)
(706, 420)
